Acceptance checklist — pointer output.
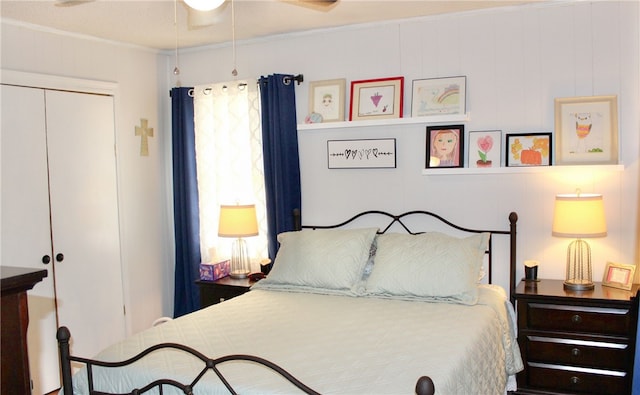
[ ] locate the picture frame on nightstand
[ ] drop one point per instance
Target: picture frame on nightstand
(618, 275)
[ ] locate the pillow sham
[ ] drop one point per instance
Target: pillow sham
(327, 259)
(430, 265)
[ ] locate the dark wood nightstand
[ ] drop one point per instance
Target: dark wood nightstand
(212, 292)
(576, 342)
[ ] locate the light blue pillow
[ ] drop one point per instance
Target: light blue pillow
(432, 266)
(331, 259)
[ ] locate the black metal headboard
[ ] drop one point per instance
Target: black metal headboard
(398, 219)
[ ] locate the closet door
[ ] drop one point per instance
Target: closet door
(84, 218)
(25, 230)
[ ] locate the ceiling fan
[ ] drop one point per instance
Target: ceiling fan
(204, 13)
(208, 5)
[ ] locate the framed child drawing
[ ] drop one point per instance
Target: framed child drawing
(445, 145)
(586, 130)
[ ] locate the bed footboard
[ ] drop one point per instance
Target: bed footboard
(424, 386)
(64, 335)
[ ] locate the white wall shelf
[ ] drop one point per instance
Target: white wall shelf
(386, 122)
(516, 170)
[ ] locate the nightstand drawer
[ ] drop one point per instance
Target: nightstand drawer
(575, 380)
(214, 292)
(583, 319)
(595, 354)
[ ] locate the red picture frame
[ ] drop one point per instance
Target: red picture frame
(380, 98)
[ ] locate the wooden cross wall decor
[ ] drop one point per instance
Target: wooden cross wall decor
(144, 132)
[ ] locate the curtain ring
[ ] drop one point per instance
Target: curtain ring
(241, 86)
(207, 91)
(190, 92)
(286, 80)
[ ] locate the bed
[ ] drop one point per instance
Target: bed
(351, 308)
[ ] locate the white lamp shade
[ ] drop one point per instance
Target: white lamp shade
(579, 215)
(204, 5)
(238, 221)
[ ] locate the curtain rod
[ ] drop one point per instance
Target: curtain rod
(299, 78)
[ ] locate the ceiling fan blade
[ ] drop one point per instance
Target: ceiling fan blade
(70, 3)
(320, 5)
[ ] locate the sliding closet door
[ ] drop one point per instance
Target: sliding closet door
(25, 231)
(84, 218)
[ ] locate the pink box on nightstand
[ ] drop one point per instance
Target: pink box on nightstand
(214, 271)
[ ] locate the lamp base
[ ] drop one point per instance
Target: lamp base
(240, 263)
(578, 285)
(239, 274)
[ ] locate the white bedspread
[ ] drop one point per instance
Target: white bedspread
(334, 344)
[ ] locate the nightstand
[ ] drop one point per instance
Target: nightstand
(576, 342)
(212, 292)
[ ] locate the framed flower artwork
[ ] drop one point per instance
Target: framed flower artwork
(528, 149)
(485, 149)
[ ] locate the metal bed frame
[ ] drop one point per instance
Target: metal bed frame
(424, 385)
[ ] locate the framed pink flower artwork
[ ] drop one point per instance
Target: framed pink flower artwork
(485, 149)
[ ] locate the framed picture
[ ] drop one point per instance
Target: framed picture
(439, 96)
(445, 145)
(485, 148)
(618, 275)
(376, 99)
(586, 130)
(361, 154)
(326, 101)
(528, 149)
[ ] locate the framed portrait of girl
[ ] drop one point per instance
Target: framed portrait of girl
(445, 145)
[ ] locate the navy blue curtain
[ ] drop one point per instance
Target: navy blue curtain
(185, 203)
(281, 158)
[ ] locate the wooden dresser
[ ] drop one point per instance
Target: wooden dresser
(15, 283)
(576, 342)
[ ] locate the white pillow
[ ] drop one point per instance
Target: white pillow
(332, 259)
(429, 265)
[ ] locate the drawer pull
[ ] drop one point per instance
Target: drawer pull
(575, 352)
(574, 380)
(576, 319)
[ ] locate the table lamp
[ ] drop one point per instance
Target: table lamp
(577, 216)
(238, 221)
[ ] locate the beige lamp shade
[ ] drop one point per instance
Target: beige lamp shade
(578, 216)
(238, 221)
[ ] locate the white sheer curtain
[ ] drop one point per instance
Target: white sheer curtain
(229, 163)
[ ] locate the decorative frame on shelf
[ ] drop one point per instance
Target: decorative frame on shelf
(485, 149)
(380, 98)
(326, 98)
(618, 275)
(445, 146)
(439, 96)
(361, 154)
(586, 130)
(528, 149)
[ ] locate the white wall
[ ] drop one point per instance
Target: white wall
(517, 60)
(147, 238)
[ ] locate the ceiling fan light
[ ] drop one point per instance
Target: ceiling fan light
(204, 5)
